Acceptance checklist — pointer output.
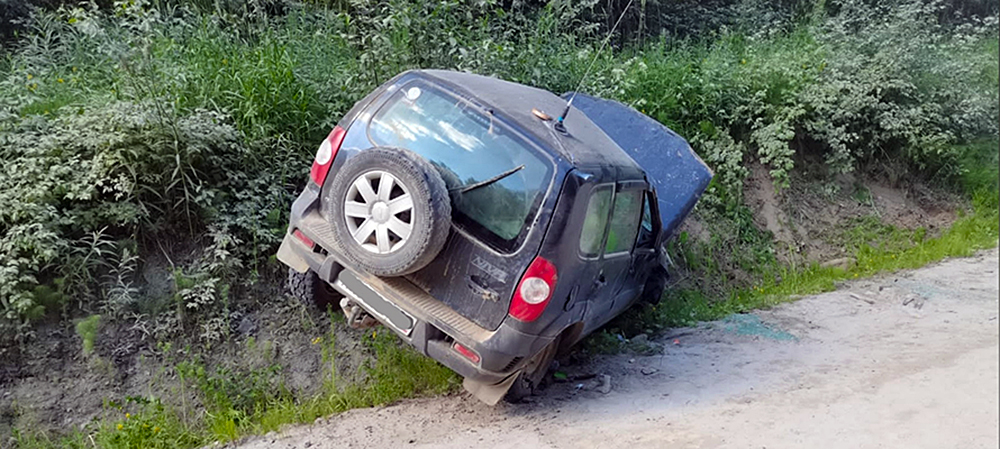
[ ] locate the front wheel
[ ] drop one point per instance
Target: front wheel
(529, 381)
(652, 291)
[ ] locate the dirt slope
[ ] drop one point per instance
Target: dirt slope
(833, 370)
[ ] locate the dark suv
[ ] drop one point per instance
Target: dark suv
(453, 209)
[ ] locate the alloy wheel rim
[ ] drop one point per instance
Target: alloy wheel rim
(378, 210)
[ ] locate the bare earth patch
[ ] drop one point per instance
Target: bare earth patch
(54, 386)
(807, 217)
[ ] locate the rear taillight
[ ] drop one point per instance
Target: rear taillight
(324, 156)
(534, 291)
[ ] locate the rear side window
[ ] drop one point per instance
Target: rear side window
(624, 221)
(595, 222)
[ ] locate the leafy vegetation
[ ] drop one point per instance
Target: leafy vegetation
(141, 132)
(87, 330)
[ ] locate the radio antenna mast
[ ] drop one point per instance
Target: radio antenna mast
(559, 121)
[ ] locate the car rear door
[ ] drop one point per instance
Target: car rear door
(608, 237)
(643, 256)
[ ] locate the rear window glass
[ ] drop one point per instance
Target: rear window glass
(467, 147)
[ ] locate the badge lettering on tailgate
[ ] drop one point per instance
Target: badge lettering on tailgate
(490, 269)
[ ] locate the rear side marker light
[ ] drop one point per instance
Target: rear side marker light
(534, 290)
(325, 154)
(298, 234)
(466, 352)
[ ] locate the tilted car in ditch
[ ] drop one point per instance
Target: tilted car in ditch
(454, 210)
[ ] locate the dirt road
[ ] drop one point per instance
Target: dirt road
(855, 368)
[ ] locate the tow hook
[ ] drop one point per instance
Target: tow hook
(357, 317)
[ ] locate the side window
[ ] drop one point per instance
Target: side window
(595, 222)
(624, 221)
(646, 237)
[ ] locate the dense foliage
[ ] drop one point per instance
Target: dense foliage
(167, 127)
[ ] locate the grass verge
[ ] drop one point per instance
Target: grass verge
(894, 250)
(876, 248)
(236, 402)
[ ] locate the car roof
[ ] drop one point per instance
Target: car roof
(584, 144)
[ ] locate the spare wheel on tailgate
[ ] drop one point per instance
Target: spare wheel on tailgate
(391, 212)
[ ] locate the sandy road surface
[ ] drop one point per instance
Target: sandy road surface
(828, 371)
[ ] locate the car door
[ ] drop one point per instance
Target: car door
(614, 251)
(643, 256)
(589, 284)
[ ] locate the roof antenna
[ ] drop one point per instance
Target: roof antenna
(559, 121)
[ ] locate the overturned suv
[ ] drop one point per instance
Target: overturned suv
(453, 209)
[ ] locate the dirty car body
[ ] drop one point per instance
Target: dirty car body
(568, 236)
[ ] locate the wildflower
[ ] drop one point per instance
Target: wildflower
(127, 416)
(120, 426)
(60, 80)
(316, 340)
(855, 274)
(743, 61)
(30, 77)
(156, 429)
(374, 333)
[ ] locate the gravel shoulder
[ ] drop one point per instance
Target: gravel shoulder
(905, 360)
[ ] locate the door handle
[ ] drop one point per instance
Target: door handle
(600, 281)
(477, 286)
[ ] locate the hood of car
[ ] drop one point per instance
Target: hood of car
(672, 167)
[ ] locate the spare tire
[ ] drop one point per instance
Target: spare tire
(390, 211)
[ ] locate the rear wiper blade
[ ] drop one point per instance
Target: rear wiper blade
(470, 187)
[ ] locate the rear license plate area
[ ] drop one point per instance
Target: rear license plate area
(372, 301)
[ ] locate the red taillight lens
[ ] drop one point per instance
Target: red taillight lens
(466, 352)
(324, 156)
(534, 291)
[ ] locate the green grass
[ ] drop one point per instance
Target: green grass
(397, 372)
(243, 401)
(893, 250)
(251, 402)
(87, 329)
(877, 248)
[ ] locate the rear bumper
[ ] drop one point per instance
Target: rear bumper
(435, 326)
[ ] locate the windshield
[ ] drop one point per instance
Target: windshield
(468, 147)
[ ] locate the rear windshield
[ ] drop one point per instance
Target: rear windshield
(468, 146)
